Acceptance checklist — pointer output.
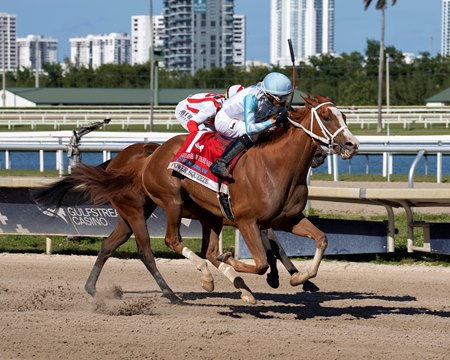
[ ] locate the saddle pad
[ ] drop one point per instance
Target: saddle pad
(197, 154)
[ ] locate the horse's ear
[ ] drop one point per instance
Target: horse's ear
(322, 99)
(307, 100)
(312, 100)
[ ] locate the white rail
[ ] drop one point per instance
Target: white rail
(77, 118)
(364, 117)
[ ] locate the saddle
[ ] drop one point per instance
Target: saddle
(194, 158)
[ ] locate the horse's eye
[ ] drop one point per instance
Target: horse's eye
(326, 118)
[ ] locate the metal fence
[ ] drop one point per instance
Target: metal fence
(107, 143)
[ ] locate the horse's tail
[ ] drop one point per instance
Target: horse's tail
(90, 182)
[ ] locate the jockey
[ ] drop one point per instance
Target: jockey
(197, 112)
(249, 113)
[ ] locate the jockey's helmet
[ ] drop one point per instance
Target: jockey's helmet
(233, 89)
(278, 86)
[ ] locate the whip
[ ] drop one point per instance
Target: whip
(294, 71)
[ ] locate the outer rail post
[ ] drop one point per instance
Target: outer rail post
(409, 226)
(413, 168)
(335, 168)
(41, 161)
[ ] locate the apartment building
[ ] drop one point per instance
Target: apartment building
(199, 34)
(239, 39)
(308, 23)
(140, 37)
(8, 38)
(35, 50)
(445, 39)
(96, 50)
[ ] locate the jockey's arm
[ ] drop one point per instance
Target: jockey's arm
(199, 118)
(251, 126)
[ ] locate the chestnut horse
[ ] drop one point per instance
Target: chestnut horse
(270, 190)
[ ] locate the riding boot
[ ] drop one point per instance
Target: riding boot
(220, 167)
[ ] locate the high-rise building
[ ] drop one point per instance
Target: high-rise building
(239, 40)
(8, 47)
(95, 50)
(308, 23)
(199, 34)
(35, 50)
(140, 37)
(445, 40)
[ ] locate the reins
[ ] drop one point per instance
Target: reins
(328, 137)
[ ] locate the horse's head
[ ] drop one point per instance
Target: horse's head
(326, 124)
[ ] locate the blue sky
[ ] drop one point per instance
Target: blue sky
(411, 25)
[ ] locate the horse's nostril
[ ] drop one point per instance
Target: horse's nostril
(350, 145)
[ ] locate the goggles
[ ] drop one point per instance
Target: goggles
(280, 98)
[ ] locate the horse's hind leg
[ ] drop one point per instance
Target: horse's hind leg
(173, 241)
(252, 237)
(146, 255)
(120, 235)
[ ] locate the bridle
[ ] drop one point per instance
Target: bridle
(327, 138)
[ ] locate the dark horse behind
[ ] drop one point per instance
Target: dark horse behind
(270, 190)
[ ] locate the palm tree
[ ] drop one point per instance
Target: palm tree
(381, 5)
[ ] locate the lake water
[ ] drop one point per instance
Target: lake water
(357, 165)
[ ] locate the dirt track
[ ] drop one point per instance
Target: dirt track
(362, 311)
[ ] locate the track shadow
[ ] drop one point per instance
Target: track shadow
(311, 305)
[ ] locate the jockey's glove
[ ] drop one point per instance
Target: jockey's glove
(282, 116)
(192, 126)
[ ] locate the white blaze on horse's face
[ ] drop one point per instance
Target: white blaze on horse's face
(346, 147)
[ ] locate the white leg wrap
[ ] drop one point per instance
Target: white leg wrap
(198, 262)
(187, 253)
(228, 271)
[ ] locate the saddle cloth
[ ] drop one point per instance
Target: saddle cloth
(197, 154)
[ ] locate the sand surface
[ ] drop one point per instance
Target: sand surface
(362, 311)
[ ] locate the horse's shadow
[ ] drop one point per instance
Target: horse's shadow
(311, 305)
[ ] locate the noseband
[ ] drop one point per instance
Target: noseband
(328, 137)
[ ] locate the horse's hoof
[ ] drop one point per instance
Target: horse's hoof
(90, 290)
(248, 298)
(310, 286)
(273, 280)
(224, 257)
(173, 298)
(208, 285)
(298, 279)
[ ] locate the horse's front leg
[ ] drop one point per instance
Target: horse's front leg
(214, 226)
(272, 253)
(306, 228)
(277, 251)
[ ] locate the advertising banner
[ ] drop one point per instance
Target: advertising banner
(20, 215)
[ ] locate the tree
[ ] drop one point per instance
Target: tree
(54, 75)
(381, 5)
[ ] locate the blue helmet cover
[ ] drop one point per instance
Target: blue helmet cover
(277, 84)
